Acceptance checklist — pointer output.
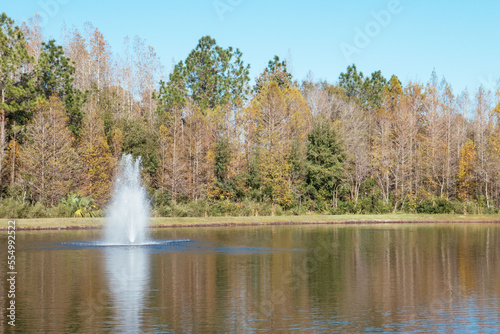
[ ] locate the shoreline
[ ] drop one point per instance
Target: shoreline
(51, 224)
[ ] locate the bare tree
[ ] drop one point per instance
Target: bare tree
(172, 173)
(481, 129)
(354, 130)
(33, 33)
(148, 72)
(76, 49)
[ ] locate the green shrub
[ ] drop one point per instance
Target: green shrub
(162, 211)
(182, 210)
(344, 208)
(11, 208)
(471, 208)
(160, 198)
(278, 210)
(248, 208)
(37, 211)
(435, 206)
(458, 207)
(265, 209)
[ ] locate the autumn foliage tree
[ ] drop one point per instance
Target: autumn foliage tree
(465, 176)
(49, 162)
(97, 160)
(275, 118)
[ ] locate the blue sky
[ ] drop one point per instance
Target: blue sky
(409, 38)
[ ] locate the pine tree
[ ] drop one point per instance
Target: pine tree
(13, 81)
(55, 76)
(276, 71)
(210, 76)
(324, 164)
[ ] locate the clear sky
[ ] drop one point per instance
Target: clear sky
(409, 38)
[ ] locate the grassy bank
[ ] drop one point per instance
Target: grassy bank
(90, 223)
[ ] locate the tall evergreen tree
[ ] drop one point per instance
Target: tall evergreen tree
(14, 81)
(210, 76)
(352, 82)
(325, 156)
(55, 74)
(276, 71)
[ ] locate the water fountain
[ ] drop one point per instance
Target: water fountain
(128, 213)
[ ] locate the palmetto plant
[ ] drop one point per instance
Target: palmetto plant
(79, 206)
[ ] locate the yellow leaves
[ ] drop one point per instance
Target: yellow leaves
(276, 115)
(210, 156)
(164, 131)
(494, 151)
(11, 162)
(98, 162)
(274, 119)
(275, 172)
(79, 213)
(465, 177)
(496, 110)
(215, 192)
(494, 143)
(300, 113)
(117, 142)
(216, 115)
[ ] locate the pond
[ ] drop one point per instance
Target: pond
(323, 278)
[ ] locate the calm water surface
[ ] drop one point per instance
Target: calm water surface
(318, 279)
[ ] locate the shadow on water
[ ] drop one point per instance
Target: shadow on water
(162, 246)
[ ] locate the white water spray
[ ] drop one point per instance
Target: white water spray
(128, 214)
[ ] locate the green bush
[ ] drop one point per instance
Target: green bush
(162, 211)
(435, 206)
(382, 207)
(265, 209)
(182, 210)
(162, 206)
(11, 208)
(248, 208)
(471, 208)
(160, 198)
(458, 207)
(37, 211)
(344, 208)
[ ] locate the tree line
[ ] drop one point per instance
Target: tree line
(213, 143)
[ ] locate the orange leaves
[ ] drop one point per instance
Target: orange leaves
(48, 160)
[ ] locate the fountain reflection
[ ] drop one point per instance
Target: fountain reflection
(127, 272)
